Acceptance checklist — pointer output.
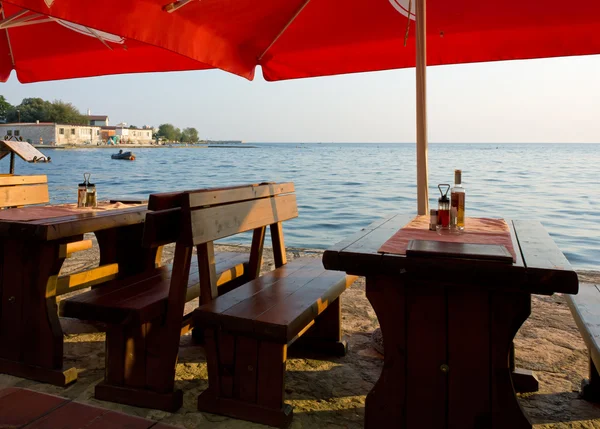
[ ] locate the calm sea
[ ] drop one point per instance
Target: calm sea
(342, 188)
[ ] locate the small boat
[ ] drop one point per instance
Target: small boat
(123, 155)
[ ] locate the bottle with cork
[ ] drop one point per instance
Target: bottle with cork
(457, 202)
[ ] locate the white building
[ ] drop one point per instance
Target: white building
(134, 135)
(99, 120)
(52, 134)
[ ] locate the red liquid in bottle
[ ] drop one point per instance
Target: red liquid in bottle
(444, 217)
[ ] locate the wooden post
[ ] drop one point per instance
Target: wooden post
(12, 162)
(421, 66)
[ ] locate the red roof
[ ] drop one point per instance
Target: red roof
(97, 117)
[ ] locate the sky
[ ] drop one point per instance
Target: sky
(533, 101)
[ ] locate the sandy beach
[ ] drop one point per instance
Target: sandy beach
(330, 392)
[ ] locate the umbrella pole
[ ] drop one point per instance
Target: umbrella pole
(421, 70)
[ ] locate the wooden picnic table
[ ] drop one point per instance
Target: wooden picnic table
(33, 247)
(448, 326)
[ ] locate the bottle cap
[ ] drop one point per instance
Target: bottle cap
(458, 177)
(444, 195)
(433, 212)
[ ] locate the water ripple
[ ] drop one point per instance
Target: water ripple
(343, 188)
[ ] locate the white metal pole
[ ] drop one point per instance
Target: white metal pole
(421, 70)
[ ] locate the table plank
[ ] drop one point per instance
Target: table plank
(68, 226)
(548, 270)
(360, 254)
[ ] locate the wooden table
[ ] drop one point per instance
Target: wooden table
(26, 409)
(31, 255)
(448, 326)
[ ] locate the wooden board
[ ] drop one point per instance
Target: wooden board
(212, 197)
(73, 224)
(23, 149)
(223, 221)
(215, 196)
(548, 270)
(145, 295)
(23, 180)
(359, 254)
(426, 383)
(585, 308)
(12, 196)
(280, 306)
(439, 249)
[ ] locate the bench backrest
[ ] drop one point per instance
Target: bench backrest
(219, 214)
(18, 191)
(197, 218)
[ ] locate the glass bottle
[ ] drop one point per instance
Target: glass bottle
(91, 199)
(457, 197)
(444, 207)
(81, 194)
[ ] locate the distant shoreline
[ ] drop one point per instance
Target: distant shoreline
(146, 146)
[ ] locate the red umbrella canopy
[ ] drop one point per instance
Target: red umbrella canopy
(305, 38)
(42, 48)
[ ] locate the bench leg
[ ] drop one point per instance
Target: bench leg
(132, 367)
(325, 335)
(245, 379)
(590, 388)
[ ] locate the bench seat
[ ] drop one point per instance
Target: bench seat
(145, 297)
(278, 305)
(585, 308)
(248, 330)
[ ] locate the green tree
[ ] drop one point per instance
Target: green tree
(30, 110)
(66, 113)
(169, 132)
(36, 109)
(189, 135)
(5, 107)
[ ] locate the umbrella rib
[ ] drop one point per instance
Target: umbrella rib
(29, 20)
(6, 21)
(298, 12)
(97, 36)
(172, 7)
(10, 49)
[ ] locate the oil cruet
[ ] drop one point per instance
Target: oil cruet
(444, 207)
(86, 193)
(82, 191)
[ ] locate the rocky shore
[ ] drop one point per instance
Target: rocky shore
(330, 393)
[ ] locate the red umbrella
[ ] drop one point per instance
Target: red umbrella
(305, 38)
(43, 48)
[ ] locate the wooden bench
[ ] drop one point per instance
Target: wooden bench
(248, 330)
(134, 308)
(585, 308)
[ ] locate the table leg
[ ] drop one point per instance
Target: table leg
(31, 339)
(385, 403)
(123, 245)
(446, 362)
(524, 380)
